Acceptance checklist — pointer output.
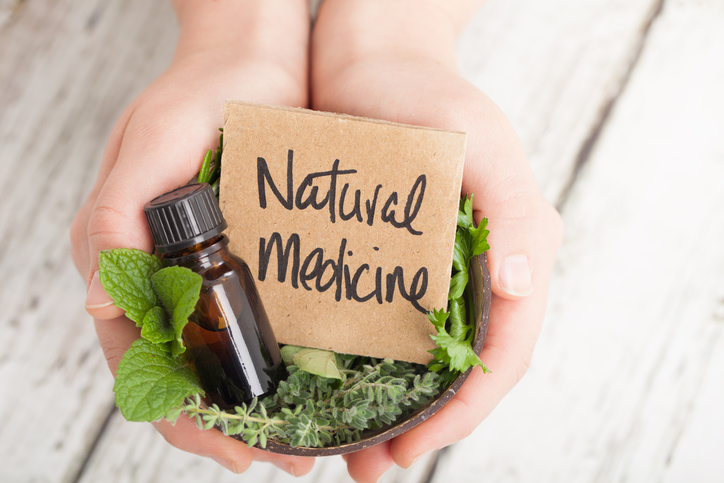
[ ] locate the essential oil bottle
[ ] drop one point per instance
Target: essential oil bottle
(228, 338)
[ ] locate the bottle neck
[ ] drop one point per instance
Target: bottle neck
(194, 252)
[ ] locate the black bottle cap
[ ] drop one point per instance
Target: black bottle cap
(184, 217)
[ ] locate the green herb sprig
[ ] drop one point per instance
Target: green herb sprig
(456, 327)
(153, 376)
(210, 171)
(313, 411)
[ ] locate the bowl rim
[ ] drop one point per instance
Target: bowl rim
(482, 298)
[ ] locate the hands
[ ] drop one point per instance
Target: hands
(395, 61)
(253, 50)
(386, 60)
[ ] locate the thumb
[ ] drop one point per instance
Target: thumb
(157, 154)
(506, 193)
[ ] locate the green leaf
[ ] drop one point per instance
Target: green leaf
(458, 325)
(317, 361)
(179, 289)
(438, 317)
(288, 352)
(125, 274)
(479, 238)
(458, 354)
(156, 326)
(457, 285)
(151, 384)
(205, 166)
(465, 212)
(454, 352)
(462, 251)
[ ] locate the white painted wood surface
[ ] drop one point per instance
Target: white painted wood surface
(67, 69)
(124, 452)
(553, 67)
(627, 383)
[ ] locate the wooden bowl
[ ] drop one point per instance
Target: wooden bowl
(480, 282)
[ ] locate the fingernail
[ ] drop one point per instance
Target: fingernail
(225, 463)
(96, 298)
(285, 467)
(515, 276)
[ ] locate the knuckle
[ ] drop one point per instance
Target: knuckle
(113, 354)
(515, 203)
(108, 227)
(553, 224)
(78, 228)
(522, 366)
(462, 431)
(78, 239)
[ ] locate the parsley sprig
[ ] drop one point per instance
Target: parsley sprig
(456, 326)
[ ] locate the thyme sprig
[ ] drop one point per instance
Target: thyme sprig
(314, 411)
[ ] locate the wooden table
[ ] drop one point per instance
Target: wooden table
(620, 107)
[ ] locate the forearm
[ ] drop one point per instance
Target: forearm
(262, 31)
(401, 30)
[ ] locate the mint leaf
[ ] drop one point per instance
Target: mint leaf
(317, 361)
(156, 326)
(150, 383)
(125, 274)
(179, 289)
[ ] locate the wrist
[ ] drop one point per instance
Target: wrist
(263, 31)
(403, 30)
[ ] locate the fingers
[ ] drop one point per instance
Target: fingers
(496, 168)
(512, 333)
(79, 228)
(370, 463)
(233, 455)
(115, 336)
(525, 230)
(505, 192)
(294, 465)
(153, 157)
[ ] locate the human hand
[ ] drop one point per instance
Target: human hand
(254, 50)
(396, 61)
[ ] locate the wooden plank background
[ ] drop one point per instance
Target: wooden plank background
(620, 108)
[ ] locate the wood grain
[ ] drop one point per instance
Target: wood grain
(494, 53)
(68, 69)
(136, 453)
(553, 68)
(626, 383)
(618, 389)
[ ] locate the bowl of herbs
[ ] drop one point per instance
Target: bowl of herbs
(330, 403)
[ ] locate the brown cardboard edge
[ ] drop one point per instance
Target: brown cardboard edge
(348, 117)
(480, 281)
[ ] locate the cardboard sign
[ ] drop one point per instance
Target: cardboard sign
(347, 225)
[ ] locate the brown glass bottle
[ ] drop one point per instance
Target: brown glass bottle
(228, 338)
